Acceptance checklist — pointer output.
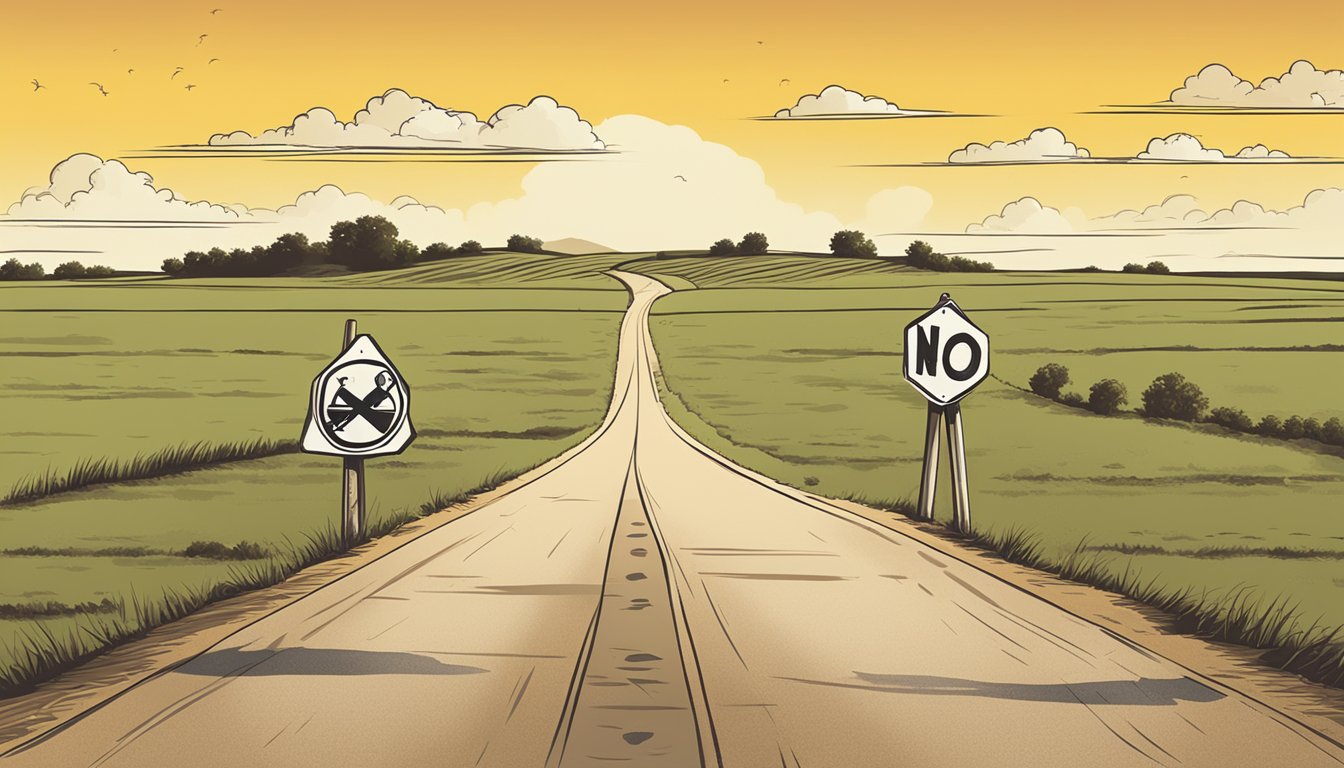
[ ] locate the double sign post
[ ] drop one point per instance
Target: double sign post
(946, 356)
(360, 407)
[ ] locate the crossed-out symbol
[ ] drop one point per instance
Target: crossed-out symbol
(345, 407)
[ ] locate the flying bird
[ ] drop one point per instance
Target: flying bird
(100, 88)
(683, 178)
(785, 81)
(725, 80)
(176, 72)
(190, 86)
(130, 71)
(760, 42)
(217, 10)
(201, 39)
(212, 61)
(37, 85)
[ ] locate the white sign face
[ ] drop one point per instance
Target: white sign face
(946, 355)
(360, 405)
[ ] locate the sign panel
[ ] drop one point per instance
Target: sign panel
(360, 406)
(946, 355)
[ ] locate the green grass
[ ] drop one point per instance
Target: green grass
(804, 384)
(182, 387)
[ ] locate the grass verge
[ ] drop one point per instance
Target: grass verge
(41, 654)
(1239, 615)
(167, 461)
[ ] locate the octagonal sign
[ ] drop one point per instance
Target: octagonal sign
(946, 355)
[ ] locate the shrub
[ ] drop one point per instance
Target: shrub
(1106, 397)
(724, 247)
(1332, 431)
(1232, 418)
(470, 246)
(1170, 396)
(810, 481)
(1133, 269)
(214, 550)
(1048, 380)
(1073, 399)
(1157, 268)
(69, 271)
(851, 242)
(1270, 426)
(753, 244)
(99, 270)
(524, 244)
(1293, 428)
(922, 256)
(435, 251)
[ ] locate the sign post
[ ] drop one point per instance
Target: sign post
(360, 407)
(946, 356)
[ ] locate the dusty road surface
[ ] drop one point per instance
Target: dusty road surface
(648, 603)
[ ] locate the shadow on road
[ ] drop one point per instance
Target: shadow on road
(1141, 692)
(319, 661)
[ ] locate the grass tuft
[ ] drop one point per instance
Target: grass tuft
(167, 461)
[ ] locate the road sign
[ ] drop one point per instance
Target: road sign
(360, 407)
(946, 355)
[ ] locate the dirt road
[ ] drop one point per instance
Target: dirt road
(649, 603)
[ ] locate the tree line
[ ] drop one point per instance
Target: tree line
(13, 269)
(855, 244)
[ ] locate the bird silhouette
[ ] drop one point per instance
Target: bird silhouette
(760, 42)
(190, 86)
(212, 61)
(725, 80)
(201, 39)
(217, 10)
(785, 81)
(100, 88)
(683, 178)
(176, 72)
(37, 86)
(130, 71)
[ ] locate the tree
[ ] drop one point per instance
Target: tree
(1232, 418)
(1106, 397)
(1049, 380)
(98, 270)
(15, 270)
(173, 267)
(724, 247)
(524, 244)
(470, 247)
(753, 244)
(287, 252)
(851, 242)
(436, 251)
(1311, 428)
(1157, 268)
(1133, 269)
(1170, 396)
(407, 252)
(1269, 426)
(1293, 428)
(367, 243)
(1332, 431)
(70, 270)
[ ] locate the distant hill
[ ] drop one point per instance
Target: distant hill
(573, 246)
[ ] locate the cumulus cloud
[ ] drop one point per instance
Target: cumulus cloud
(398, 120)
(1027, 215)
(85, 186)
(1184, 148)
(836, 101)
(1303, 86)
(1044, 145)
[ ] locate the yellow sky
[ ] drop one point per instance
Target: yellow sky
(1032, 65)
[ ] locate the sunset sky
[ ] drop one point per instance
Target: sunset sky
(710, 66)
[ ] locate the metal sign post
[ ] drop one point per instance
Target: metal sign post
(360, 407)
(946, 356)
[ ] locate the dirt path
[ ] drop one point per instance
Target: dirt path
(648, 602)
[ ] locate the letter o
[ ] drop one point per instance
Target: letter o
(961, 374)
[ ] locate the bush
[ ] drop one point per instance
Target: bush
(1048, 380)
(1073, 399)
(15, 270)
(1133, 269)
(1269, 426)
(436, 251)
(1157, 268)
(1170, 396)
(1232, 418)
(753, 244)
(1332, 431)
(470, 246)
(922, 256)
(1293, 428)
(214, 550)
(98, 270)
(70, 270)
(724, 247)
(851, 242)
(367, 243)
(1106, 397)
(810, 481)
(524, 244)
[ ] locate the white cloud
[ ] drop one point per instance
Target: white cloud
(87, 187)
(1044, 145)
(397, 120)
(1303, 86)
(1027, 215)
(1184, 148)
(837, 101)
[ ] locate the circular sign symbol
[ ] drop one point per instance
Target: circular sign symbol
(362, 405)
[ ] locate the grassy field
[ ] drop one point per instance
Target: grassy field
(805, 385)
(503, 377)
